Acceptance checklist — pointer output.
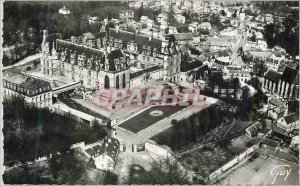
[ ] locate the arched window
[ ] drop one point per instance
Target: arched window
(124, 81)
(117, 82)
(106, 82)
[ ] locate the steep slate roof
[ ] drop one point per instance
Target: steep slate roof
(183, 36)
(291, 118)
(296, 81)
(289, 75)
(272, 75)
(123, 35)
(115, 54)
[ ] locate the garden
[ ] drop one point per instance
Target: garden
(149, 117)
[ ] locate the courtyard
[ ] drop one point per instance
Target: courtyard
(149, 117)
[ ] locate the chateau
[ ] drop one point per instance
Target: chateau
(110, 59)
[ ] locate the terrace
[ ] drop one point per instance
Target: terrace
(149, 117)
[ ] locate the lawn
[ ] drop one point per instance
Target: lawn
(149, 117)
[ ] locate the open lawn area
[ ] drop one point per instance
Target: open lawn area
(258, 172)
(149, 117)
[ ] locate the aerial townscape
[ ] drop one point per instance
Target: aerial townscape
(151, 92)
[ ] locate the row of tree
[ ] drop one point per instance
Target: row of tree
(31, 132)
(188, 130)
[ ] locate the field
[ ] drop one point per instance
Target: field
(258, 172)
(149, 117)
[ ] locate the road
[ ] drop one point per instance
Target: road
(24, 61)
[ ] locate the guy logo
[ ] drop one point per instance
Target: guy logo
(280, 170)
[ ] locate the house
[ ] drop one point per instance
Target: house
(162, 18)
(205, 26)
(295, 141)
(180, 18)
(231, 72)
(254, 129)
(64, 11)
(261, 55)
(276, 113)
(193, 27)
(275, 103)
(216, 43)
(228, 32)
(107, 154)
(269, 143)
(272, 64)
(126, 14)
(93, 20)
(35, 91)
(144, 19)
(289, 122)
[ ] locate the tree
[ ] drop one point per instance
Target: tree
(165, 171)
(245, 104)
(110, 179)
(55, 166)
(235, 83)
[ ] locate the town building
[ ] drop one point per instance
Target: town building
(107, 154)
(126, 14)
(254, 129)
(34, 91)
(289, 122)
(64, 11)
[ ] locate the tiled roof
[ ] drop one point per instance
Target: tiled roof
(291, 118)
(276, 102)
(272, 75)
(263, 54)
(270, 142)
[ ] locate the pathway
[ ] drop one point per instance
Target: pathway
(24, 61)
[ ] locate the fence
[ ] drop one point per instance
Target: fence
(233, 162)
(164, 153)
(74, 114)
